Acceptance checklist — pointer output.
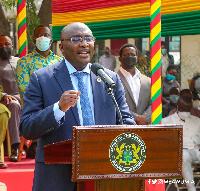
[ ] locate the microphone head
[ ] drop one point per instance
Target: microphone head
(95, 67)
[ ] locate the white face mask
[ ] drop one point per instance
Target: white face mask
(43, 43)
(183, 115)
(196, 104)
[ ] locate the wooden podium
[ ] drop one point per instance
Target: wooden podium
(117, 157)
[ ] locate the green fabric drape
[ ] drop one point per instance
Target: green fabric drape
(187, 23)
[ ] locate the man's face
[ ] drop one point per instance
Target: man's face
(163, 49)
(78, 54)
(128, 58)
(173, 72)
(5, 47)
(184, 107)
(42, 31)
(107, 51)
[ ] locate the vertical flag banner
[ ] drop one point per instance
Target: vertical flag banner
(156, 96)
(155, 53)
(21, 24)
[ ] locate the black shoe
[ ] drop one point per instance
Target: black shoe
(3, 165)
(14, 155)
(31, 151)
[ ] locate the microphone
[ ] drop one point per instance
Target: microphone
(97, 69)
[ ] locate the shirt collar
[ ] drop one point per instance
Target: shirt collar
(35, 53)
(125, 73)
(71, 69)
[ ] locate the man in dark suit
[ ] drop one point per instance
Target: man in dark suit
(53, 103)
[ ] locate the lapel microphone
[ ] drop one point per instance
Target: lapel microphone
(98, 70)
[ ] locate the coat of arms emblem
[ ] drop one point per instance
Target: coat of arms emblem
(127, 152)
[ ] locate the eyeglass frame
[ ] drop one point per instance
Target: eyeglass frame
(74, 42)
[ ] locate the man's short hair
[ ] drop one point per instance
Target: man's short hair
(172, 67)
(125, 46)
(41, 26)
(186, 93)
(174, 90)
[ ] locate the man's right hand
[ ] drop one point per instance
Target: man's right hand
(68, 99)
(141, 120)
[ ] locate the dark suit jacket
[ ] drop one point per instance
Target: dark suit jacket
(46, 87)
(144, 102)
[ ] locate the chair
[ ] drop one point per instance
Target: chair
(196, 174)
(8, 146)
(21, 146)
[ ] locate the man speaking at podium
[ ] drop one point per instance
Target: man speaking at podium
(67, 94)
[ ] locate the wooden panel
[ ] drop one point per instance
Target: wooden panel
(58, 153)
(90, 152)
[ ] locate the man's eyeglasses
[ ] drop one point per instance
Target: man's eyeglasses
(78, 39)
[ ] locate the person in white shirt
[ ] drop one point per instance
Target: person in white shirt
(137, 86)
(166, 59)
(107, 60)
(191, 137)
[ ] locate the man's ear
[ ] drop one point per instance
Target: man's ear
(61, 47)
(120, 59)
(51, 41)
(34, 40)
(137, 59)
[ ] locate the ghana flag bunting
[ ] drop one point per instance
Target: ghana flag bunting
(21, 24)
(120, 19)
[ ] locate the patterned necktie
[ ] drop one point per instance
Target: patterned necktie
(85, 103)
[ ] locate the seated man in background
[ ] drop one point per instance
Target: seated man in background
(39, 58)
(191, 139)
(196, 104)
(137, 86)
(10, 94)
(193, 95)
(174, 96)
(4, 117)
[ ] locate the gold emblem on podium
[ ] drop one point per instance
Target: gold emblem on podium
(127, 152)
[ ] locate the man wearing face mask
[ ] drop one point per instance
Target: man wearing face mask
(10, 94)
(166, 59)
(39, 58)
(174, 96)
(107, 60)
(137, 86)
(195, 97)
(191, 139)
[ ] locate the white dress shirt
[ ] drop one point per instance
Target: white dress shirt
(191, 129)
(134, 83)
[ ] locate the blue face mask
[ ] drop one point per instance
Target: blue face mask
(43, 43)
(174, 98)
(170, 77)
(164, 51)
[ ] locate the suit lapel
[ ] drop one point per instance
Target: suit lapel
(64, 81)
(125, 83)
(142, 88)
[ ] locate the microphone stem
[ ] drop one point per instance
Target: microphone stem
(109, 91)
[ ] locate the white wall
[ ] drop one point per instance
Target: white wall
(190, 58)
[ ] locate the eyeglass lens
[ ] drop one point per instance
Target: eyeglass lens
(78, 39)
